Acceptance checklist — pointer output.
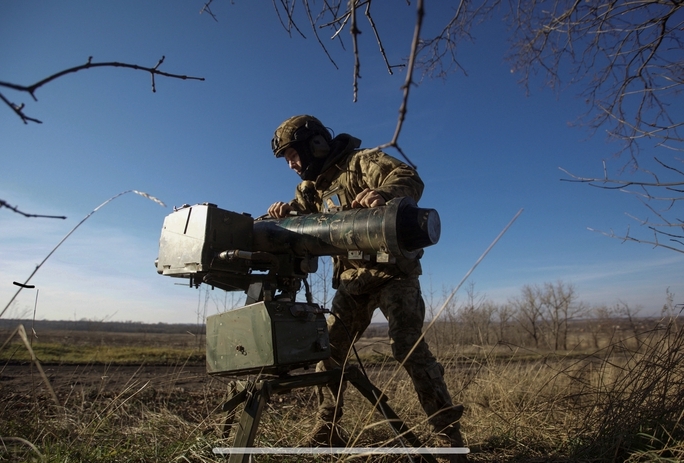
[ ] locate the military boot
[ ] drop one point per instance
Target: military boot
(326, 434)
(451, 436)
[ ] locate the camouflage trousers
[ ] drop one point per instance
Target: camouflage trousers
(401, 302)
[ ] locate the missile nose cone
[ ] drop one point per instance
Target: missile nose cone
(418, 228)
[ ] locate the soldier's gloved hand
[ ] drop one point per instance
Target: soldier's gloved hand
(279, 210)
(368, 198)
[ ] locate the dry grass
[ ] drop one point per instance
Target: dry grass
(621, 403)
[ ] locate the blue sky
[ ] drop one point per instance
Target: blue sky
(484, 148)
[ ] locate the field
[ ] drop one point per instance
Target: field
(145, 396)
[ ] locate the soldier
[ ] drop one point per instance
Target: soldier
(337, 175)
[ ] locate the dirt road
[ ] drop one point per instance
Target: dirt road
(113, 378)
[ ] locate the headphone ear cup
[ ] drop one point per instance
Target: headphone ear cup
(319, 146)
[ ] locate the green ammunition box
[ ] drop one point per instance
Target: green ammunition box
(271, 337)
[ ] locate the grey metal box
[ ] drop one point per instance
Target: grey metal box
(193, 235)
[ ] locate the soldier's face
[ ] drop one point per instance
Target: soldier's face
(293, 161)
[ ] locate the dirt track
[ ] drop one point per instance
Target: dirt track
(115, 378)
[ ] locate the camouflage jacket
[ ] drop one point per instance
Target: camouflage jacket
(347, 172)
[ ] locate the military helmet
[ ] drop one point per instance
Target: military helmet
(303, 130)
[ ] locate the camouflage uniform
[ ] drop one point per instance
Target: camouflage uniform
(362, 286)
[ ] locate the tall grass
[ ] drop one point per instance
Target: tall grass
(623, 403)
(634, 404)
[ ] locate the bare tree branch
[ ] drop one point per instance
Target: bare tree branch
(31, 89)
(312, 21)
(645, 193)
(289, 9)
(617, 183)
(379, 40)
(420, 13)
(332, 9)
(438, 54)
(3, 203)
(655, 243)
(354, 31)
(626, 57)
(207, 9)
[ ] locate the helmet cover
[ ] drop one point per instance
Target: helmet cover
(295, 130)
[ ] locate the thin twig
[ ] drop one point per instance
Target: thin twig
(377, 38)
(617, 183)
(320, 42)
(626, 237)
(290, 20)
(3, 203)
(31, 89)
(354, 30)
(207, 9)
(420, 12)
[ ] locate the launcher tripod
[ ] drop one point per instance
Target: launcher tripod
(255, 395)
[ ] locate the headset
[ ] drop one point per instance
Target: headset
(318, 144)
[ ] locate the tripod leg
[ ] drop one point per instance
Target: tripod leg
(379, 401)
(236, 398)
(249, 421)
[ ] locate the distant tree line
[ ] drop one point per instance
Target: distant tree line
(548, 316)
(10, 324)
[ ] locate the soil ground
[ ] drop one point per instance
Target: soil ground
(113, 378)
